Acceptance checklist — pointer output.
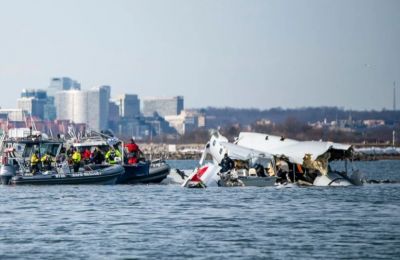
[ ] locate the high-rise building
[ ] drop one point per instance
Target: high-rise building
(49, 109)
(113, 112)
(129, 105)
(98, 107)
(65, 104)
(33, 101)
(90, 107)
(57, 84)
(60, 84)
(34, 107)
(163, 106)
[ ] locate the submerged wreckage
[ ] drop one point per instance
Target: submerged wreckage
(266, 160)
(232, 165)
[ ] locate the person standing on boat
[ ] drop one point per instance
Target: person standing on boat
(70, 151)
(97, 157)
(86, 156)
(35, 162)
(76, 160)
(226, 164)
(111, 155)
(133, 152)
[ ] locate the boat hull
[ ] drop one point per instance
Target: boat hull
(141, 173)
(107, 175)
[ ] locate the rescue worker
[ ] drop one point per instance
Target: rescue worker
(70, 151)
(97, 157)
(111, 155)
(86, 156)
(35, 162)
(76, 160)
(46, 161)
(226, 164)
(133, 152)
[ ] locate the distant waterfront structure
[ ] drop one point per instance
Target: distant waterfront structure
(128, 105)
(163, 106)
(33, 101)
(90, 107)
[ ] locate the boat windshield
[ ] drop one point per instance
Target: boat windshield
(44, 148)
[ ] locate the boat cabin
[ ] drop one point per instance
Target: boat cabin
(18, 152)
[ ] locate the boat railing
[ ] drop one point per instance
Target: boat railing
(23, 165)
(63, 168)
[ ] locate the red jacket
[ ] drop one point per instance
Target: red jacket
(132, 147)
(86, 154)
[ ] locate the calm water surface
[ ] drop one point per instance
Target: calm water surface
(169, 222)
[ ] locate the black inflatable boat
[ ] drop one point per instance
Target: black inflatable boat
(106, 175)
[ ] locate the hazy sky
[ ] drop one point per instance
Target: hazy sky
(246, 53)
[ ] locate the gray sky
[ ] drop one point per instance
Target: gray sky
(246, 53)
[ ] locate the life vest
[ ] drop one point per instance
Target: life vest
(46, 159)
(76, 157)
(34, 159)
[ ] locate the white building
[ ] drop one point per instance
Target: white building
(88, 107)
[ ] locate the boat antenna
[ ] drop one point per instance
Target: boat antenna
(33, 123)
(8, 123)
(26, 122)
(51, 133)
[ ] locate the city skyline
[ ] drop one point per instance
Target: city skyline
(245, 54)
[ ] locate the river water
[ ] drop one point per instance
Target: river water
(169, 222)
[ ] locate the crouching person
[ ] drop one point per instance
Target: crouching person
(46, 162)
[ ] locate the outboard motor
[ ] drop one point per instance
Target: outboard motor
(6, 173)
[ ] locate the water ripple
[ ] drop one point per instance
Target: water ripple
(168, 222)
